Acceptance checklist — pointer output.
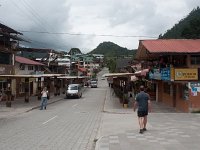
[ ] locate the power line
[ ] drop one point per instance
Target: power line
(35, 17)
(87, 34)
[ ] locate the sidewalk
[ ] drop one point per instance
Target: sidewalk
(18, 106)
(166, 129)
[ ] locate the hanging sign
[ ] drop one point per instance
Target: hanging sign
(186, 74)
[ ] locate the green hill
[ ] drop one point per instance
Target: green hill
(110, 49)
(187, 28)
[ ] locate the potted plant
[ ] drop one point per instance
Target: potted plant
(8, 100)
(125, 100)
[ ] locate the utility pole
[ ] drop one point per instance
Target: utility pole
(70, 64)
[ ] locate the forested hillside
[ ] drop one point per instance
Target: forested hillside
(110, 49)
(187, 28)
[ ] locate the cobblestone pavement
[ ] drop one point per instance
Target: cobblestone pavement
(166, 129)
(18, 106)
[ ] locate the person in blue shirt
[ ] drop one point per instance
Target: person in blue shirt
(143, 104)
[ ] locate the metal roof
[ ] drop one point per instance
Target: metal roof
(32, 76)
(7, 29)
(172, 45)
(24, 60)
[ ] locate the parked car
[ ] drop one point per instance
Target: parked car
(103, 78)
(93, 84)
(74, 90)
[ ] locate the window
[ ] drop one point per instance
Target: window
(30, 67)
(5, 58)
(37, 68)
(195, 59)
(22, 67)
(179, 61)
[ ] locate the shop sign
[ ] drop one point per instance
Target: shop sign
(165, 74)
(194, 84)
(186, 74)
(195, 87)
(155, 75)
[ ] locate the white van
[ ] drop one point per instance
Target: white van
(74, 90)
(93, 84)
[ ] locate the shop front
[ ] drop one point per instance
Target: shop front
(181, 91)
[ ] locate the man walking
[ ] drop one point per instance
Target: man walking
(144, 106)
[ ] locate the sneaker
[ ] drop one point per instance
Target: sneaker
(144, 129)
(141, 131)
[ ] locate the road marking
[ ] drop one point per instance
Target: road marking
(49, 120)
(74, 105)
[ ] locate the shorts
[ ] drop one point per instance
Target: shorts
(142, 113)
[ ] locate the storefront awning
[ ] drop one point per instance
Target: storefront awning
(117, 74)
(142, 72)
(73, 77)
(32, 76)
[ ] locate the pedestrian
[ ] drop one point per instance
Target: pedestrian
(1, 95)
(143, 105)
(44, 98)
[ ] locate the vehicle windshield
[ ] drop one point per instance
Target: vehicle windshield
(93, 82)
(73, 88)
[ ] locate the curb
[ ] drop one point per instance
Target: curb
(35, 107)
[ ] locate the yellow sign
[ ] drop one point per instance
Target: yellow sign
(186, 74)
(172, 73)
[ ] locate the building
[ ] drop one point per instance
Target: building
(25, 66)
(9, 44)
(174, 67)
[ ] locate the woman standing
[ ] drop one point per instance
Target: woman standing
(44, 98)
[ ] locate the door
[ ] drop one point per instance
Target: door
(174, 94)
(31, 88)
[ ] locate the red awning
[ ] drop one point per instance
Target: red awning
(82, 69)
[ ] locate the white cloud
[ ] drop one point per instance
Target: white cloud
(98, 17)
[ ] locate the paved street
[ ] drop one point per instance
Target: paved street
(98, 116)
(66, 124)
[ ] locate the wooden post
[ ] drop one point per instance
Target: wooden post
(26, 90)
(39, 88)
(55, 86)
(8, 93)
(49, 85)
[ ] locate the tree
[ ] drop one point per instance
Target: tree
(188, 27)
(111, 64)
(74, 51)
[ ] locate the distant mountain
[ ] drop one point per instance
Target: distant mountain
(187, 28)
(110, 49)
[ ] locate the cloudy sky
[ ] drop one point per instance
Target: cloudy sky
(64, 24)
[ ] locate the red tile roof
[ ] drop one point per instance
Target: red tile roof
(23, 60)
(82, 69)
(172, 45)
